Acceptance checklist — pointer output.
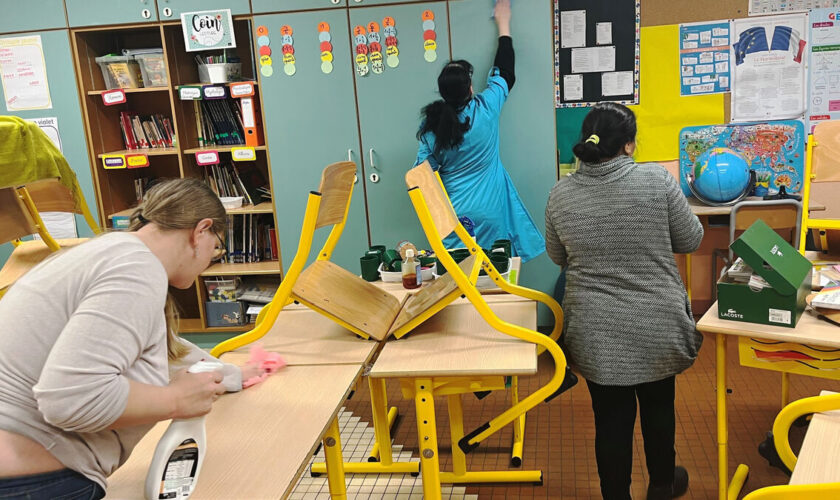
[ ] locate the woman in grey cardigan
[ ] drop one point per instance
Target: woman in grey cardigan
(615, 226)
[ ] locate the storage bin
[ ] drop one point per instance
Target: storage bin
(219, 73)
(120, 72)
(153, 70)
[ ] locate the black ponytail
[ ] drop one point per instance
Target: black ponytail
(441, 117)
(605, 130)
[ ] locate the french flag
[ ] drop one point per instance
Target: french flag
(787, 38)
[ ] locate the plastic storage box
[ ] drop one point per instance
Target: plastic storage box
(120, 72)
(153, 70)
(220, 72)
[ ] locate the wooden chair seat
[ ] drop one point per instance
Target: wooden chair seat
(329, 288)
(26, 256)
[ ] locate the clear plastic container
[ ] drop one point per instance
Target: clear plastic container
(120, 72)
(153, 69)
(220, 72)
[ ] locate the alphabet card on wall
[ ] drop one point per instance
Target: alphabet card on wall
(208, 30)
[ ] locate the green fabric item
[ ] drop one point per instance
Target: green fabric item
(27, 155)
(569, 121)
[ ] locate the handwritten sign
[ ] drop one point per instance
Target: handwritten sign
(242, 89)
(207, 157)
(24, 73)
(208, 30)
(243, 154)
(113, 97)
(137, 161)
(189, 93)
(113, 161)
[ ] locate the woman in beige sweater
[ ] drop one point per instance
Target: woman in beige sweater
(89, 343)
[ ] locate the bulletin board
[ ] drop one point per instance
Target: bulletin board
(624, 16)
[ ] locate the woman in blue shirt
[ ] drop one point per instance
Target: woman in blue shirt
(459, 136)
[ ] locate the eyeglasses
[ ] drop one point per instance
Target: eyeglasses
(220, 250)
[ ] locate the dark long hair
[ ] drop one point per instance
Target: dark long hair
(606, 129)
(441, 117)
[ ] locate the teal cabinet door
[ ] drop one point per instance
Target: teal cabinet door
(66, 109)
(389, 113)
(310, 122)
(260, 6)
(528, 142)
(103, 12)
(30, 16)
(170, 10)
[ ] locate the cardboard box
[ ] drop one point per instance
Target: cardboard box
(786, 270)
(224, 313)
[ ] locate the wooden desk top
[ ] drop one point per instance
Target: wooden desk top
(305, 337)
(819, 458)
(258, 440)
(809, 330)
(457, 342)
(702, 210)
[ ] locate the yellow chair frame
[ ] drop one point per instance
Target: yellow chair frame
(813, 166)
(781, 427)
(438, 219)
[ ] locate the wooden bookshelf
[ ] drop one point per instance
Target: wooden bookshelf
(139, 90)
(265, 207)
(142, 151)
(250, 268)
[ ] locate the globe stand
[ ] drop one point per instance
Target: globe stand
(746, 192)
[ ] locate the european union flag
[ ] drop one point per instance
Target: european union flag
(751, 40)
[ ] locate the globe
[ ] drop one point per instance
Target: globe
(721, 175)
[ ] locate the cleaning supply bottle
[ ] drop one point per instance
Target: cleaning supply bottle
(180, 452)
(411, 277)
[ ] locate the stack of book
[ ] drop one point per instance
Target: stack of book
(827, 298)
(220, 123)
(740, 272)
(246, 180)
(141, 186)
(251, 238)
(146, 131)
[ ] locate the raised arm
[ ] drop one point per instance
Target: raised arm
(504, 60)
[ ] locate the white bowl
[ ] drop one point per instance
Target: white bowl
(427, 274)
(485, 282)
(231, 201)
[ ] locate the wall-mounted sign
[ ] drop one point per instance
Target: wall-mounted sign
(208, 30)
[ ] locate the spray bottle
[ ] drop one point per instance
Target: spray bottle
(180, 452)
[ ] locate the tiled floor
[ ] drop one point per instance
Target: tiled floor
(560, 435)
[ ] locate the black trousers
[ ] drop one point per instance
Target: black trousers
(615, 417)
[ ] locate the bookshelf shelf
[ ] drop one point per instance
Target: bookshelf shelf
(265, 207)
(140, 90)
(228, 84)
(142, 151)
(251, 268)
(221, 149)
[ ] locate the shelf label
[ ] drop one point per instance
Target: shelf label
(113, 161)
(189, 93)
(243, 154)
(207, 157)
(137, 161)
(242, 89)
(214, 92)
(113, 97)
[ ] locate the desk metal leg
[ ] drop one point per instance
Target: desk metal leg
(785, 389)
(726, 490)
(424, 403)
(518, 425)
(335, 463)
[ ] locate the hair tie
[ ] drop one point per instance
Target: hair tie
(594, 139)
(142, 219)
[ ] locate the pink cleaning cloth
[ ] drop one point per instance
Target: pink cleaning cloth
(268, 361)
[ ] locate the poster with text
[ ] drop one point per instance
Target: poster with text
(769, 67)
(208, 30)
(704, 58)
(764, 7)
(24, 73)
(824, 66)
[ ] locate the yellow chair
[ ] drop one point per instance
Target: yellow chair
(34, 177)
(438, 218)
(821, 165)
(781, 427)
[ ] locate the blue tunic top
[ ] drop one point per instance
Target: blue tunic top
(477, 183)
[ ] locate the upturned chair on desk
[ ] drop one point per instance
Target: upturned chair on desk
(438, 218)
(35, 178)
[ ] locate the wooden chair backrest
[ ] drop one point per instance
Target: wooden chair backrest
(777, 217)
(422, 177)
(15, 220)
(336, 188)
(825, 163)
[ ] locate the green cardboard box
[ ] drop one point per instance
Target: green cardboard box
(787, 271)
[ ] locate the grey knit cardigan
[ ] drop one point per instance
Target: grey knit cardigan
(616, 226)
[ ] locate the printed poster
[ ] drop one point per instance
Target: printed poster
(824, 66)
(208, 30)
(769, 67)
(24, 73)
(704, 58)
(762, 7)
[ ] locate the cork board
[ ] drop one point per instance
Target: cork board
(658, 12)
